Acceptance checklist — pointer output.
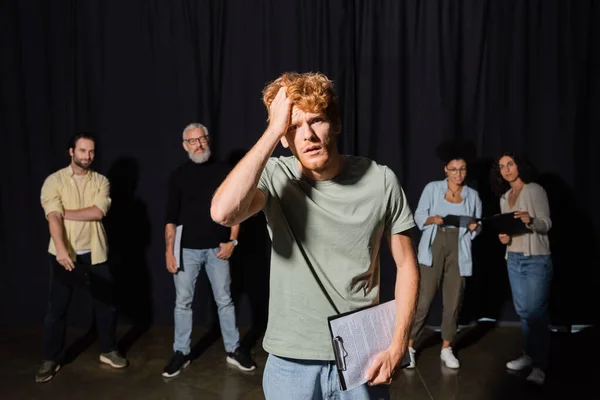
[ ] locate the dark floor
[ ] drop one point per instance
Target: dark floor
(482, 350)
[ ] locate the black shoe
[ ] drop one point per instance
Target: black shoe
(47, 371)
(241, 359)
(177, 363)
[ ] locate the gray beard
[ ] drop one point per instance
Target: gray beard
(200, 158)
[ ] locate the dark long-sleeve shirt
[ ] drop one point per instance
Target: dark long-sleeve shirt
(191, 188)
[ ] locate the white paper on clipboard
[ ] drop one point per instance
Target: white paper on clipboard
(177, 245)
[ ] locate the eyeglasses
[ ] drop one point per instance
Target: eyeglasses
(193, 141)
(454, 171)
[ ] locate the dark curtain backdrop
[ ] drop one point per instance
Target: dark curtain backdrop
(499, 74)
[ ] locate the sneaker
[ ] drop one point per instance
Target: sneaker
(448, 358)
(178, 362)
(114, 359)
(241, 359)
(413, 361)
(537, 376)
(47, 371)
(520, 363)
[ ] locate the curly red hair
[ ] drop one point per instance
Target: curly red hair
(310, 92)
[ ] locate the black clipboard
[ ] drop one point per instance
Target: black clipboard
(459, 221)
(340, 353)
(506, 223)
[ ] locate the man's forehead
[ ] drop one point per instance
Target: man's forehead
(85, 144)
(298, 114)
(194, 132)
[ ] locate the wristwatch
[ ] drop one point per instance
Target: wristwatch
(234, 241)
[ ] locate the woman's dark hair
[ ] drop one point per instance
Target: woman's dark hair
(526, 172)
(458, 149)
(81, 135)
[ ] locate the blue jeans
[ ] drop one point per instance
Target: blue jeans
(292, 379)
(530, 278)
(185, 284)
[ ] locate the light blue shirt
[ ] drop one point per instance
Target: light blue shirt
(432, 203)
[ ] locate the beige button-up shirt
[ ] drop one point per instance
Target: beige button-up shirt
(61, 191)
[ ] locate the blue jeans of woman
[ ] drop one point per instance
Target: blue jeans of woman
(530, 278)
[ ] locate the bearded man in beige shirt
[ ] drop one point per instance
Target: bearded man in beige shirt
(75, 200)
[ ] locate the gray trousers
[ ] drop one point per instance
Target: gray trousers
(445, 271)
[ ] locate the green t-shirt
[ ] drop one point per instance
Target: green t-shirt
(339, 224)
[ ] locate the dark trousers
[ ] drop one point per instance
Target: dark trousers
(445, 271)
(97, 280)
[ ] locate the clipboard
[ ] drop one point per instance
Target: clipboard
(506, 223)
(177, 249)
(459, 221)
(351, 361)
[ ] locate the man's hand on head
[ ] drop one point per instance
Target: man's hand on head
(280, 112)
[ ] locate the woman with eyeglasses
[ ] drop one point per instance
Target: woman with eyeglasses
(528, 259)
(447, 215)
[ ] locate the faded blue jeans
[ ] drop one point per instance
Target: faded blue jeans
(220, 282)
(293, 379)
(530, 278)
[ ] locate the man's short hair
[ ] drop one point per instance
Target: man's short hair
(309, 92)
(81, 135)
(194, 125)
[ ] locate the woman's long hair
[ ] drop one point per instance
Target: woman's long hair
(526, 172)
